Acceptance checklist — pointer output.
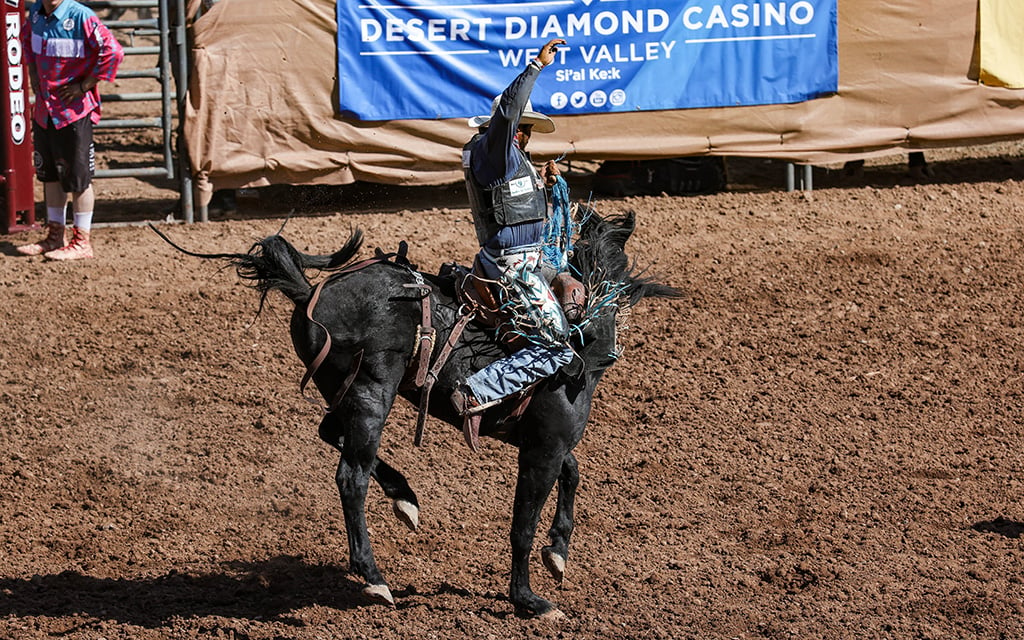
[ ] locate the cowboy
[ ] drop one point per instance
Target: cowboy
(510, 205)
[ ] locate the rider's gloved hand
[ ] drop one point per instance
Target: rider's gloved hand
(550, 173)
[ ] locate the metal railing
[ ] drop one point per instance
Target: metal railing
(172, 82)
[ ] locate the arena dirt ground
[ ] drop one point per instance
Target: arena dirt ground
(820, 439)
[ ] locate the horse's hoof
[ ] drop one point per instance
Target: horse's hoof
(553, 615)
(379, 593)
(554, 563)
(539, 609)
(407, 512)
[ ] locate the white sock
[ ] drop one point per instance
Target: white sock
(55, 215)
(83, 220)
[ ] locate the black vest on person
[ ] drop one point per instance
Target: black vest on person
(521, 199)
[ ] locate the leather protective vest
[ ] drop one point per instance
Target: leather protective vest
(523, 198)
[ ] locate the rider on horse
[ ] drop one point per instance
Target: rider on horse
(510, 205)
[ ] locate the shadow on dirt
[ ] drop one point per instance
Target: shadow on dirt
(10, 249)
(759, 174)
(1001, 526)
(254, 591)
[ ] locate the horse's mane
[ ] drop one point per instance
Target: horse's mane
(601, 261)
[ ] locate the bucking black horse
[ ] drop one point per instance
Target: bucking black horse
(360, 332)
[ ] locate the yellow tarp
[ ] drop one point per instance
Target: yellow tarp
(1001, 33)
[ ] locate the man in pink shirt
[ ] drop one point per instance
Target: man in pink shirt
(68, 52)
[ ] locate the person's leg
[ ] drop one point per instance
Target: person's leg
(82, 204)
(501, 379)
(512, 374)
(56, 201)
(538, 315)
(53, 195)
(77, 145)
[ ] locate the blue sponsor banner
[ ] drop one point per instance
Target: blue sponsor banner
(426, 59)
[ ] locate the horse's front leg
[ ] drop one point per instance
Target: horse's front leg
(555, 554)
(539, 466)
(404, 504)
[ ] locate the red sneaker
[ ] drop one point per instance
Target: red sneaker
(78, 248)
(54, 240)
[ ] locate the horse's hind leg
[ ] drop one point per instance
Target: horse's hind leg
(555, 554)
(403, 498)
(364, 410)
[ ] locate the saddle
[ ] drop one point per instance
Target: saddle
(479, 295)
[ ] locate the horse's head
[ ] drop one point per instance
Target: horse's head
(613, 283)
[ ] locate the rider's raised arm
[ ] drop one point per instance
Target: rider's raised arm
(495, 159)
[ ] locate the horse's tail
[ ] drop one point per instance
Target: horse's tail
(273, 263)
(336, 260)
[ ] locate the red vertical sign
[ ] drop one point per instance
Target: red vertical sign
(16, 172)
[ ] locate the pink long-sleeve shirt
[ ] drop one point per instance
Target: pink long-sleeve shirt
(66, 48)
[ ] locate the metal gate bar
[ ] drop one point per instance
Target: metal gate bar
(170, 96)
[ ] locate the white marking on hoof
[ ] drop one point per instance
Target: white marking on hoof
(555, 564)
(555, 615)
(407, 512)
(379, 593)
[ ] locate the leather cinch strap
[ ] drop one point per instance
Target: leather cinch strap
(357, 360)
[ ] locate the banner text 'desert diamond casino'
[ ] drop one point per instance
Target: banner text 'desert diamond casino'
(447, 59)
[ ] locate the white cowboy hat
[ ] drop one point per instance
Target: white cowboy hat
(541, 123)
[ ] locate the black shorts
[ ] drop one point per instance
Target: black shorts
(65, 155)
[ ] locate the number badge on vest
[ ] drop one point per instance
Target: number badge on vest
(519, 186)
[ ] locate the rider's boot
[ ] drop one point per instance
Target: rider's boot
(464, 401)
(471, 410)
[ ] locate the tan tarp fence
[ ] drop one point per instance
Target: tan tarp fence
(263, 92)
